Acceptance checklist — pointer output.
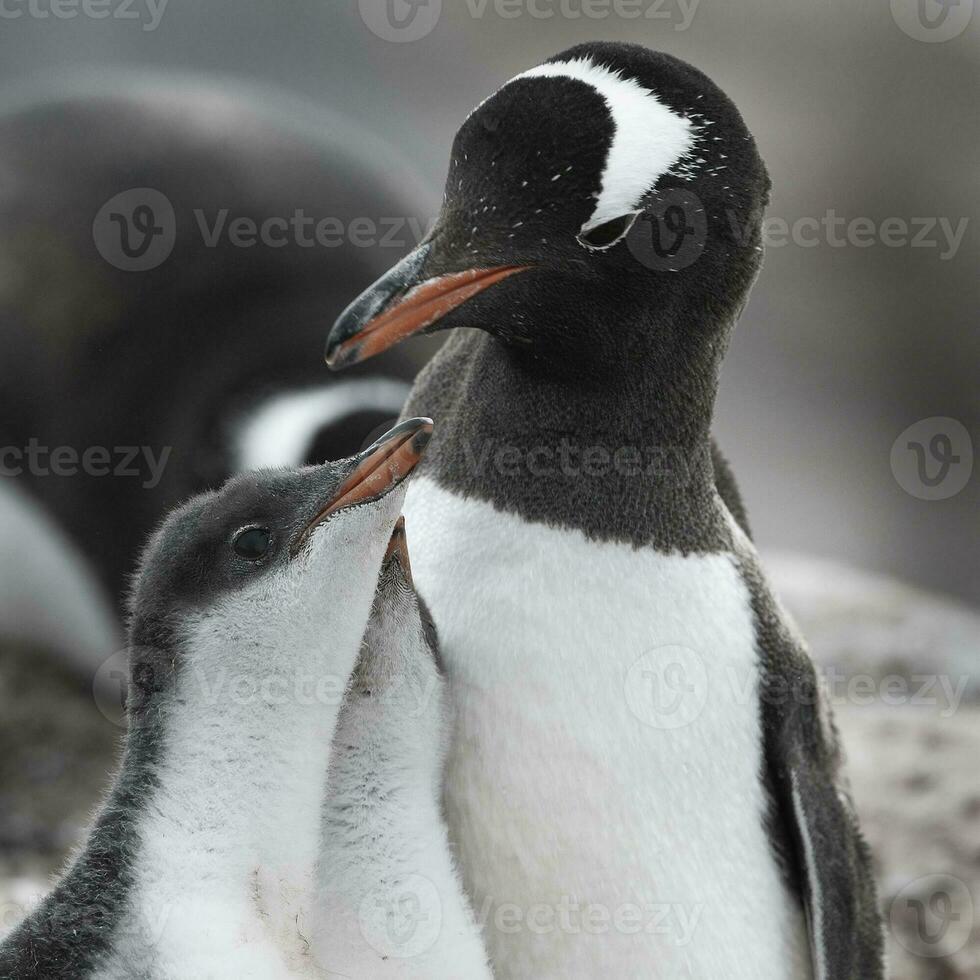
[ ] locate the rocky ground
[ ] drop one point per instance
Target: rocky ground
(903, 668)
(56, 749)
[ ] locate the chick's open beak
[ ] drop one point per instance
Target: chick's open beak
(378, 470)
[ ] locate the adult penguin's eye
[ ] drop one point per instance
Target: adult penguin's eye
(252, 543)
(609, 232)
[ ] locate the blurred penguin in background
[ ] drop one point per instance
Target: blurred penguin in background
(170, 252)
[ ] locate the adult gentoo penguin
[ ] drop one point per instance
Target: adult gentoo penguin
(389, 902)
(247, 620)
(643, 782)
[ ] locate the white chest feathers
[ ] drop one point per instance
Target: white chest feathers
(604, 784)
(389, 902)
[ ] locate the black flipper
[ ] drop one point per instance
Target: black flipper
(813, 822)
(839, 893)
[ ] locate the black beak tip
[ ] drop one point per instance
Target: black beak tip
(337, 354)
(337, 357)
(418, 429)
(423, 435)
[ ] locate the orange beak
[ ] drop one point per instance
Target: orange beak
(380, 468)
(398, 306)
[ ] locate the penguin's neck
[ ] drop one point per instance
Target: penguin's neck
(620, 458)
(241, 777)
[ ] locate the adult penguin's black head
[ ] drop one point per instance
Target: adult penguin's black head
(602, 211)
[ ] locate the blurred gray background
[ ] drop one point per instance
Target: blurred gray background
(842, 346)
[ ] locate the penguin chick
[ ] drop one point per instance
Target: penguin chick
(389, 900)
(247, 619)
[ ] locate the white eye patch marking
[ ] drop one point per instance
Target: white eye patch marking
(648, 139)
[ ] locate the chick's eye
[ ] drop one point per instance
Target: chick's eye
(252, 543)
(609, 232)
